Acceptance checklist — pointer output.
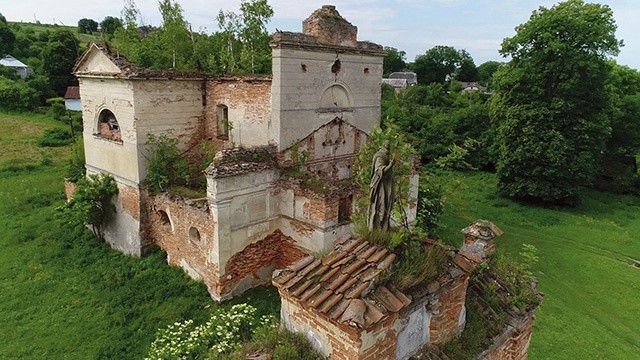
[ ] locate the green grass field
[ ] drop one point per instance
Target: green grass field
(65, 294)
(592, 304)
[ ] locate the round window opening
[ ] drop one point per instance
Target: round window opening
(194, 235)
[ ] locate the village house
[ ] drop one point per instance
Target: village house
(22, 70)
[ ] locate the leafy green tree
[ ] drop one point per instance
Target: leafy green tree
(255, 15)
(87, 26)
(59, 55)
(91, 203)
(110, 24)
(441, 63)
(174, 35)
(7, 39)
(486, 71)
(394, 60)
(552, 131)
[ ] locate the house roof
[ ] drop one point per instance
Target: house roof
(12, 62)
(73, 92)
(411, 77)
(396, 83)
(342, 285)
(473, 86)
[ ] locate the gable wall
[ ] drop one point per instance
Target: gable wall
(299, 96)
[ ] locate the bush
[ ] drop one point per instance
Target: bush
(430, 205)
(419, 265)
(55, 137)
(17, 95)
(91, 203)
(167, 167)
(221, 334)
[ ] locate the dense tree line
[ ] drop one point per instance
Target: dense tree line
(241, 46)
(560, 115)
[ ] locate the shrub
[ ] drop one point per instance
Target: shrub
(221, 334)
(91, 203)
(430, 205)
(55, 137)
(167, 167)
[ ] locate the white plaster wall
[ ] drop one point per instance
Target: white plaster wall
(297, 94)
(119, 158)
(245, 209)
(315, 239)
(414, 334)
(166, 107)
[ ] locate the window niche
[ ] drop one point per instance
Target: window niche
(223, 122)
(108, 127)
(194, 236)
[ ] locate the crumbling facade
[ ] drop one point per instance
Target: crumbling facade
(320, 103)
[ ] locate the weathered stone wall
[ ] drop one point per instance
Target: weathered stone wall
(245, 210)
(329, 150)
(249, 105)
(513, 343)
(307, 94)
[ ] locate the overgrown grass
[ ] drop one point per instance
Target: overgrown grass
(591, 308)
(66, 294)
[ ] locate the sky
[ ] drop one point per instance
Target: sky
(414, 26)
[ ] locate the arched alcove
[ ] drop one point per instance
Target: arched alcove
(165, 220)
(335, 96)
(108, 126)
(194, 235)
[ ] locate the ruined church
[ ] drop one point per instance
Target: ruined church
(320, 103)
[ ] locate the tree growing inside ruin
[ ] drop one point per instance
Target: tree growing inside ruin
(550, 100)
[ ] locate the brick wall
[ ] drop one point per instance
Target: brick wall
(253, 265)
(445, 322)
(249, 109)
(513, 343)
(173, 232)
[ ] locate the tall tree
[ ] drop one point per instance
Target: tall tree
(442, 63)
(110, 24)
(551, 129)
(255, 15)
(486, 71)
(87, 26)
(394, 60)
(7, 39)
(59, 57)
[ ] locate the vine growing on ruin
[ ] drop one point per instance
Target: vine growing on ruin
(91, 203)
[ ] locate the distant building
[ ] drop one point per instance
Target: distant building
(473, 86)
(401, 80)
(72, 98)
(22, 69)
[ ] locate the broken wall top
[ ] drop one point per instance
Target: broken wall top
(326, 29)
(102, 61)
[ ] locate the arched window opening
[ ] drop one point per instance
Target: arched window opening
(108, 126)
(223, 122)
(164, 220)
(194, 235)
